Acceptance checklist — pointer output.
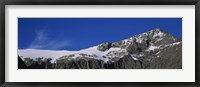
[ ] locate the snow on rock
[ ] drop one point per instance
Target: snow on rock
(127, 41)
(152, 47)
(133, 56)
(176, 43)
(158, 53)
(173, 44)
(158, 40)
(159, 34)
(137, 55)
(139, 40)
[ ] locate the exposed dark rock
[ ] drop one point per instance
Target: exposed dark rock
(104, 46)
(116, 44)
(82, 63)
(37, 64)
(21, 64)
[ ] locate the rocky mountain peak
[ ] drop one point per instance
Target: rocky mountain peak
(156, 30)
(142, 41)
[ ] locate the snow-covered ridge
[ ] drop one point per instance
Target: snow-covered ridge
(55, 54)
(91, 52)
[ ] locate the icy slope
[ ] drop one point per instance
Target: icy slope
(91, 52)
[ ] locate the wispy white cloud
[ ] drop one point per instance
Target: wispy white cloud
(42, 41)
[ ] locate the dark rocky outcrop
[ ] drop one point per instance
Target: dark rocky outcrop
(104, 46)
(126, 62)
(21, 64)
(34, 64)
(81, 63)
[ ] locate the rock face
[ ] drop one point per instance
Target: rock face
(82, 63)
(155, 49)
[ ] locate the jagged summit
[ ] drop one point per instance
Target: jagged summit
(146, 46)
(157, 29)
(142, 41)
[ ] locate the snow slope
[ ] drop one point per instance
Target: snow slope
(54, 54)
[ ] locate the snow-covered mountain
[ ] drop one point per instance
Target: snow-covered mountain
(145, 46)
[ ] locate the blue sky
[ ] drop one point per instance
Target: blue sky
(80, 33)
